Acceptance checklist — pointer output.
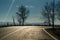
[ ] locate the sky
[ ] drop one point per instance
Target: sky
(8, 8)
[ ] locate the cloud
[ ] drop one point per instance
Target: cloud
(29, 6)
(8, 21)
(34, 20)
(32, 6)
(17, 6)
(26, 6)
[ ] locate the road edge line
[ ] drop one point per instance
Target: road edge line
(50, 35)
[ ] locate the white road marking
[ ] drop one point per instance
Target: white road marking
(11, 33)
(50, 34)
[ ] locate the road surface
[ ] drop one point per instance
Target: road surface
(24, 33)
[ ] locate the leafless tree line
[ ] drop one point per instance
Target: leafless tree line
(51, 12)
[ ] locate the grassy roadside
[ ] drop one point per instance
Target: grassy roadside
(56, 32)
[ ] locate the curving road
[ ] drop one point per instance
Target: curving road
(24, 33)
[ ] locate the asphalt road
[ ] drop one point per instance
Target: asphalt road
(24, 33)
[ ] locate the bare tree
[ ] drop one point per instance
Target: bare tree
(7, 23)
(53, 13)
(49, 13)
(58, 10)
(46, 13)
(22, 14)
(19, 18)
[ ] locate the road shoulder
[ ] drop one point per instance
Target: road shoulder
(50, 34)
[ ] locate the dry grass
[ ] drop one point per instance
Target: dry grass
(55, 33)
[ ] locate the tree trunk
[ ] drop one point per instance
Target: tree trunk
(49, 21)
(23, 23)
(53, 14)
